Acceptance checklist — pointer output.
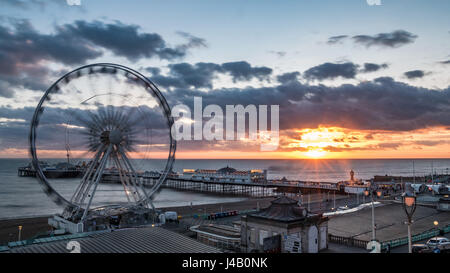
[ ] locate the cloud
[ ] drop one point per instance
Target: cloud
(393, 39)
(244, 71)
(25, 52)
(23, 45)
(201, 75)
(336, 39)
(371, 67)
(126, 40)
(288, 77)
(445, 62)
(381, 104)
(153, 70)
(278, 53)
(414, 74)
(184, 75)
(51, 131)
(193, 41)
(324, 71)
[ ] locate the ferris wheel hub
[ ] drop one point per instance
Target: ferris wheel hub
(115, 136)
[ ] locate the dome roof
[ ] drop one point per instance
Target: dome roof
(226, 170)
(283, 209)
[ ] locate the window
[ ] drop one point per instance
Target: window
(252, 235)
(263, 234)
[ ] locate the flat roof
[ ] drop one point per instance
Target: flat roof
(134, 240)
(218, 230)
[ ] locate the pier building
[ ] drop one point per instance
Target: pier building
(226, 174)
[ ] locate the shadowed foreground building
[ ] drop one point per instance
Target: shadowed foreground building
(284, 226)
(131, 240)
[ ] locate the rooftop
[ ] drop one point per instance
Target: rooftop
(221, 230)
(136, 240)
(282, 209)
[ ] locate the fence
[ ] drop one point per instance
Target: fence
(418, 237)
(349, 241)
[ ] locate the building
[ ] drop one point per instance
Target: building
(226, 174)
(220, 236)
(296, 229)
(131, 240)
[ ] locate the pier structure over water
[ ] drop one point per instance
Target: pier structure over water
(253, 189)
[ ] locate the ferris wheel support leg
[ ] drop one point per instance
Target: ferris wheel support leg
(91, 180)
(97, 180)
(86, 176)
(129, 175)
(122, 179)
(148, 201)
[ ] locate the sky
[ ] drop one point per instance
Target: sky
(352, 79)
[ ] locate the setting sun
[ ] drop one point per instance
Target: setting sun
(315, 153)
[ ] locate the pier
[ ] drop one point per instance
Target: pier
(253, 189)
(29, 172)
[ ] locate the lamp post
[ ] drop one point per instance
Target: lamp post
(409, 205)
(20, 233)
(436, 224)
(371, 192)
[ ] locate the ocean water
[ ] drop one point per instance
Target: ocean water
(23, 196)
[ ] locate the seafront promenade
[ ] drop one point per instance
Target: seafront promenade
(389, 219)
(31, 226)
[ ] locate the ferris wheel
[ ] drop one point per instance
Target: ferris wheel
(112, 117)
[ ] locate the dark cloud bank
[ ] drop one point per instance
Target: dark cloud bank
(201, 75)
(381, 104)
(346, 70)
(24, 50)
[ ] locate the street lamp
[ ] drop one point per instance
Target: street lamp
(20, 233)
(436, 224)
(371, 192)
(409, 205)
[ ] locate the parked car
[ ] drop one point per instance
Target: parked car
(171, 216)
(440, 242)
(420, 248)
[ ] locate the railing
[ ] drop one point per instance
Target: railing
(418, 237)
(348, 241)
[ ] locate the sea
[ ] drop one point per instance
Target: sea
(23, 196)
